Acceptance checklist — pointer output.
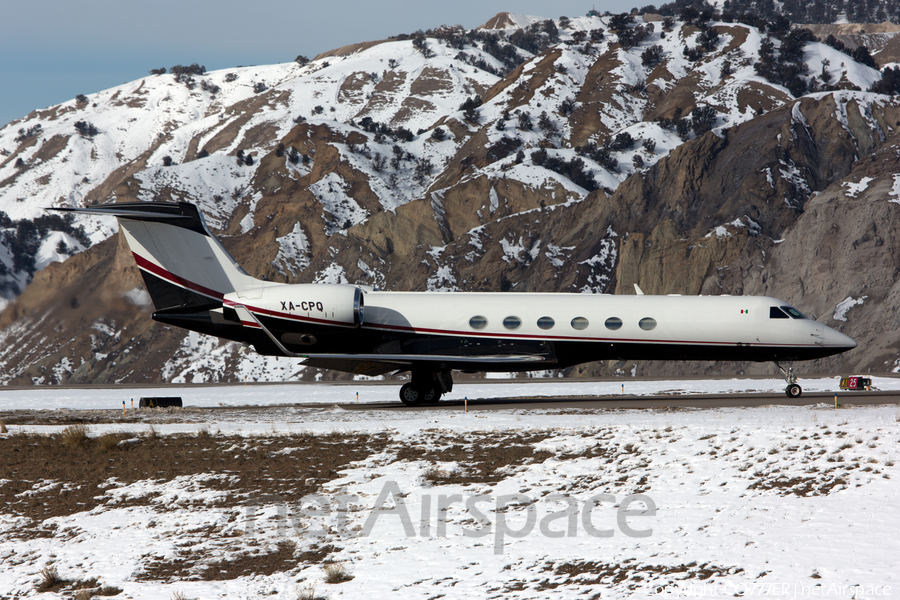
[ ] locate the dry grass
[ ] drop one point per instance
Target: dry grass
(108, 441)
(487, 461)
(308, 592)
(436, 475)
(28, 459)
(74, 436)
(336, 573)
(50, 580)
(2, 426)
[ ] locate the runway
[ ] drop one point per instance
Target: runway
(844, 399)
(362, 402)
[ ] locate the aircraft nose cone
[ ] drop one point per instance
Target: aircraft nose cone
(839, 340)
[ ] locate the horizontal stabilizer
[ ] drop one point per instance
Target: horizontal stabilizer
(181, 214)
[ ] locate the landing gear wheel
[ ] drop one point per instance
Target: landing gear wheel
(793, 390)
(430, 396)
(410, 395)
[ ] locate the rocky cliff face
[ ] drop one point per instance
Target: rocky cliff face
(583, 165)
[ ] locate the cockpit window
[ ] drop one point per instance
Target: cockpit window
(776, 313)
(796, 314)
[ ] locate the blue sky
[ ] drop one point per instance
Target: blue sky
(52, 50)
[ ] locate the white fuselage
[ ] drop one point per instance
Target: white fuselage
(726, 321)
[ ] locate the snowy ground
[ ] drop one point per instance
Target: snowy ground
(787, 502)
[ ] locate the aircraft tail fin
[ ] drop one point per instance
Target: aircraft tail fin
(182, 263)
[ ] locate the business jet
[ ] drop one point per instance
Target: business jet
(195, 284)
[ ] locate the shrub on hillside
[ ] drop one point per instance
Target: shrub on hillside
(193, 69)
(620, 21)
(708, 39)
(628, 38)
(599, 154)
(210, 87)
(622, 141)
(421, 45)
(470, 109)
(546, 124)
(702, 119)
(523, 122)
(652, 55)
(423, 170)
(889, 82)
(86, 129)
(573, 169)
(30, 132)
(693, 54)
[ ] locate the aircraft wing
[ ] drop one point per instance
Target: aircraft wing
(352, 365)
(378, 364)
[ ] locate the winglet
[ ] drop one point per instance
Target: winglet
(638, 290)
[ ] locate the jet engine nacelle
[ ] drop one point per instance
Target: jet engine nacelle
(314, 302)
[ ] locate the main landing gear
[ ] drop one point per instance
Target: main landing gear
(793, 389)
(426, 387)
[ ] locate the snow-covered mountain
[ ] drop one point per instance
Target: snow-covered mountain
(484, 159)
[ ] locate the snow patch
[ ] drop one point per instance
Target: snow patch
(293, 251)
(331, 191)
(840, 311)
(138, 296)
(853, 189)
(895, 190)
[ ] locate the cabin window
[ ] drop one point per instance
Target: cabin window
(546, 323)
(579, 323)
(776, 313)
(512, 322)
(613, 323)
(647, 323)
(796, 314)
(477, 322)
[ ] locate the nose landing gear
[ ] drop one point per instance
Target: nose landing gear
(793, 389)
